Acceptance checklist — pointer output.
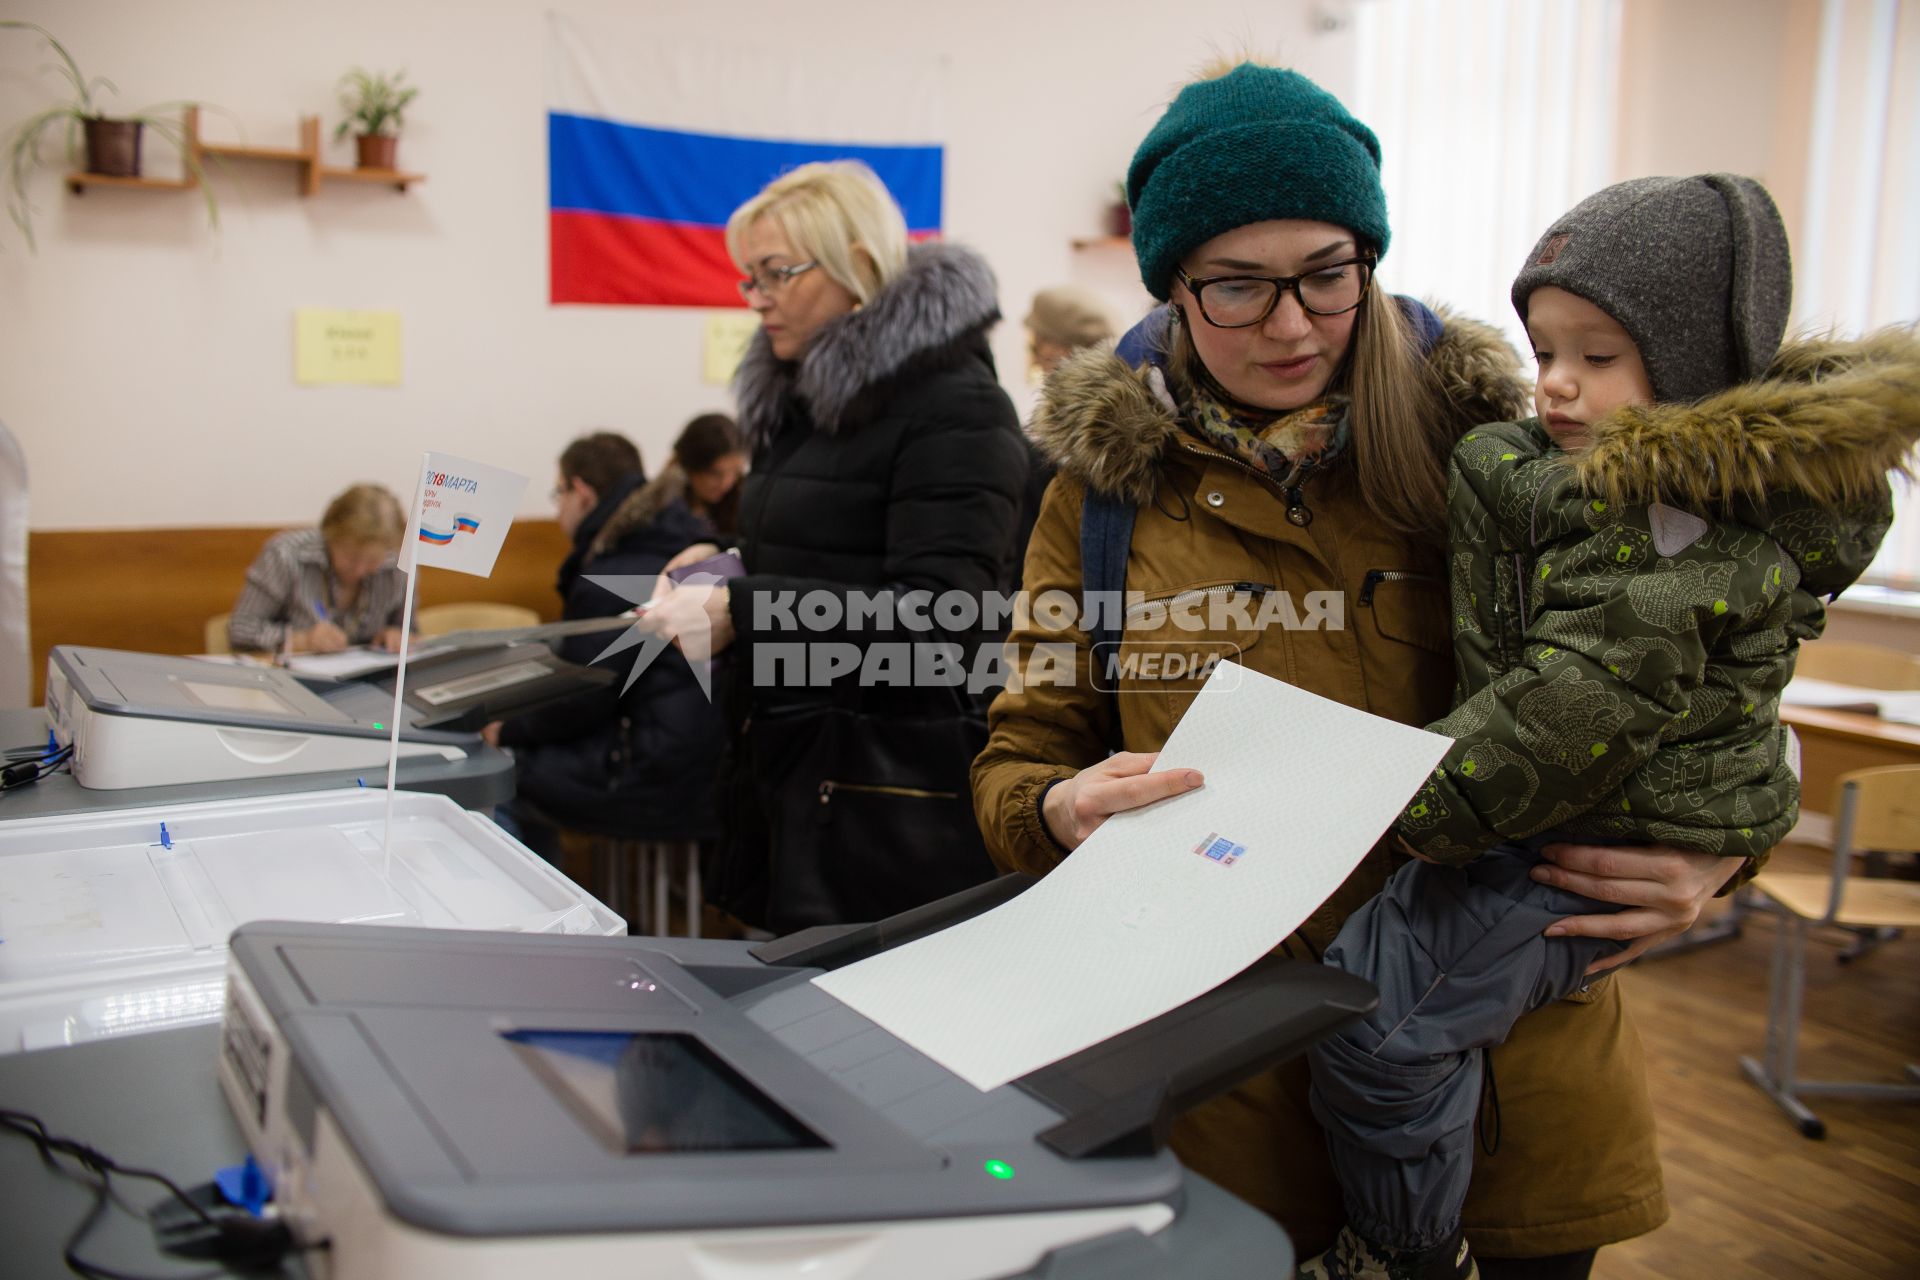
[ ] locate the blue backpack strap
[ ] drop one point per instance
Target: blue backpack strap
(1106, 533)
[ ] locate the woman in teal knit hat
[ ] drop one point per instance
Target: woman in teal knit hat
(1267, 454)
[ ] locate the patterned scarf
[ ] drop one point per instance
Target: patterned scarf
(1285, 446)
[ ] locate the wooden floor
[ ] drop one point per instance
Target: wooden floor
(1750, 1196)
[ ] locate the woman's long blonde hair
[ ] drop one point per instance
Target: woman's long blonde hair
(1400, 424)
(1402, 428)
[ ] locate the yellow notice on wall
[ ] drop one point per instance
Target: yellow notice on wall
(727, 336)
(352, 347)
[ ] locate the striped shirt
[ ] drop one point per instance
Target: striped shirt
(292, 578)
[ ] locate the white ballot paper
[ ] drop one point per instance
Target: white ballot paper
(1164, 903)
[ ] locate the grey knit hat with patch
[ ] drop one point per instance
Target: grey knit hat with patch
(1696, 270)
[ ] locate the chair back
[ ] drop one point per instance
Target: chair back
(1875, 811)
(473, 615)
(215, 640)
(1866, 666)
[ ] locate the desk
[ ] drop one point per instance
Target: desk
(482, 780)
(153, 1101)
(149, 1102)
(1833, 743)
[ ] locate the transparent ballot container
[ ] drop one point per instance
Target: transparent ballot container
(111, 925)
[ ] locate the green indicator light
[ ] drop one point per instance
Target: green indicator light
(999, 1169)
(378, 725)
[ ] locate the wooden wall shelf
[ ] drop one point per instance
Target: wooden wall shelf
(78, 182)
(306, 156)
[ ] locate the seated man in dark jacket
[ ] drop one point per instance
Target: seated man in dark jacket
(635, 761)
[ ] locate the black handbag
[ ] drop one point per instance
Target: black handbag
(845, 815)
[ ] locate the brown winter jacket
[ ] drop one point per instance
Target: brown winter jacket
(1575, 1165)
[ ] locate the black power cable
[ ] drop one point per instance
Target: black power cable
(23, 773)
(259, 1241)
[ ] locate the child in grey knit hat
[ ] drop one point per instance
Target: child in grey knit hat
(1632, 572)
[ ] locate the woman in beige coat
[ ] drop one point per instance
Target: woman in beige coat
(1278, 435)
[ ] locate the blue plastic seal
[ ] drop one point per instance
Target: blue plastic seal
(245, 1185)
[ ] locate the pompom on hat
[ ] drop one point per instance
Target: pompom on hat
(1253, 145)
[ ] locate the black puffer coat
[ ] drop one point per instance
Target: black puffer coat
(887, 461)
(639, 764)
(888, 469)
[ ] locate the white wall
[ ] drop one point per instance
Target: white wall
(1720, 86)
(146, 362)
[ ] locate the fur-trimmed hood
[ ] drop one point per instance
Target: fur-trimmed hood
(1107, 423)
(643, 508)
(945, 294)
(1828, 423)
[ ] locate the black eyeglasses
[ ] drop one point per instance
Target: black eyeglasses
(1239, 302)
(767, 281)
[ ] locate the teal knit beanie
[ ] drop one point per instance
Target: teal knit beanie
(1256, 144)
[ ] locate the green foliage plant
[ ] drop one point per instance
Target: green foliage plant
(374, 102)
(20, 149)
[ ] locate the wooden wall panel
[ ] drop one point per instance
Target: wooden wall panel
(154, 589)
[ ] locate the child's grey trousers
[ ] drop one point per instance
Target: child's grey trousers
(1458, 956)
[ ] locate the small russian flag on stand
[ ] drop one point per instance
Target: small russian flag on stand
(654, 142)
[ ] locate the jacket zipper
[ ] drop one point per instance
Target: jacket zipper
(1522, 580)
(829, 786)
(1377, 576)
(1224, 588)
(1298, 514)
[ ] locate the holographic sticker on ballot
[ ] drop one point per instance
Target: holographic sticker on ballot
(1218, 848)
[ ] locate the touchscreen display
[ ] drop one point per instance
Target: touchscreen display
(648, 1093)
(235, 697)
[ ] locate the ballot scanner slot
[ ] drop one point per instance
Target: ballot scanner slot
(1120, 1097)
(833, 946)
(465, 689)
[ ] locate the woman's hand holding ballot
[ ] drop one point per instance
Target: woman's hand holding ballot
(1075, 807)
(694, 616)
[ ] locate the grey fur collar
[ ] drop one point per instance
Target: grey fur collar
(1108, 425)
(945, 293)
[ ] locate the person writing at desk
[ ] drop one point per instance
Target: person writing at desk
(321, 590)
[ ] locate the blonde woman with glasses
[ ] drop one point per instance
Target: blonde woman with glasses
(878, 517)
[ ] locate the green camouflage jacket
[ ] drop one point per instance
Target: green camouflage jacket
(1624, 618)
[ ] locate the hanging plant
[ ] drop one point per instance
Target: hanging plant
(111, 143)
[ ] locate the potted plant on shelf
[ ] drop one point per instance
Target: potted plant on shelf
(111, 144)
(374, 103)
(1119, 218)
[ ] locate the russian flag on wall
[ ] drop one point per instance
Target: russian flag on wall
(652, 142)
